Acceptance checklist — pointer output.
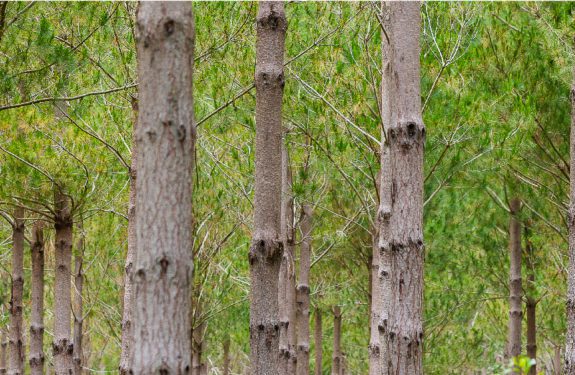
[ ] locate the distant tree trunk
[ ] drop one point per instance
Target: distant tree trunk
(302, 298)
(62, 344)
(557, 361)
(165, 137)
(16, 344)
(401, 213)
(266, 247)
(336, 356)
(227, 356)
(78, 301)
(570, 337)
(198, 339)
(318, 338)
(127, 337)
(515, 288)
(3, 347)
(375, 307)
(37, 304)
(531, 304)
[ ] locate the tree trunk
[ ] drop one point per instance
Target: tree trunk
(302, 298)
(3, 348)
(570, 337)
(515, 288)
(127, 337)
(336, 356)
(557, 361)
(318, 338)
(16, 343)
(198, 337)
(37, 305)
(227, 356)
(78, 301)
(165, 138)
(531, 304)
(401, 205)
(375, 307)
(266, 247)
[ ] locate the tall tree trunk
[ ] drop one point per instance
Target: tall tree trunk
(16, 344)
(401, 204)
(62, 344)
(515, 288)
(375, 307)
(37, 305)
(198, 338)
(227, 356)
(78, 300)
(557, 361)
(531, 303)
(3, 349)
(336, 356)
(570, 337)
(302, 298)
(266, 247)
(318, 338)
(165, 138)
(127, 337)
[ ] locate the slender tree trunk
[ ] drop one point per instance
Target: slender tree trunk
(515, 288)
(401, 205)
(266, 247)
(375, 307)
(198, 340)
(127, 337)
(16, 344)
(62, 344)
(3, 348)
(302, 298)
(227, 356)
(318, 337)
(570, 337)
(336, 356)
(37, 306)
(78, 301)
(165, 138)
(531, 303)
(557, 361)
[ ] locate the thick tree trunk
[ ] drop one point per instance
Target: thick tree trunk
(336, 356)
(3, 349)
(62, 344)
(37, 305)
(165, 138)
(515, 288)
(227, 356)
(303, 288)
(570, 337)
(318, 341)
(266, 247)
(401, 204)
(531, 303)
(78, 301)
(127, 337)
(16, 343)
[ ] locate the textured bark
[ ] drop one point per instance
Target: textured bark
(266, 247)
(62, 345)
(227, 356)
(127, 337)
(570, 337)
(515, 287)
(3, 349)
(318, 338)
(336, 366)
(37, 305)
(531, 303)
(302, 298)
(78, 301)
(400, 215)
(165, 138)
(16, 343)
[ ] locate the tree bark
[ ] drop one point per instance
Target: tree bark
(303, 288)
(16, 343)
(570, 336)
(78, 301)
(3, 349)
(318, 338)
(557, 361)
(401, 205)
(531, 302)
(515, 287)
(336, 356)
(165, 138)
(127, 337)
(227, 356)
(62, 345)
(266, 247)
(198, 337)
(37, 305)
(375, 307)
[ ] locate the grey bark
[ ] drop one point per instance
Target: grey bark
(531, 302)
(401, 203)
(62, 345)
(227, 356)
(78, 301)
(266, 247)
(303, 288)
(375, 306)
(318, 341)
(570, 336)
(165, 138)
(515, 287)
(336, 366)
(37, 305)
(3, 349)
(16, 343)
